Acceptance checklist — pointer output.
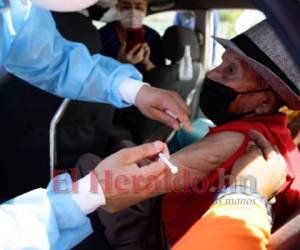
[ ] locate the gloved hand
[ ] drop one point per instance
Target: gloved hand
(262, 166)
(124, 183)
(154, 103)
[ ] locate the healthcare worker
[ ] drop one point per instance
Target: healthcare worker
(32, 49)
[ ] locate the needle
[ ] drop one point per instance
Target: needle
(173, 168)
(170, 113)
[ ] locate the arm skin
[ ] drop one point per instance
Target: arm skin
(202, 158)
(199, 159)
(244, 225)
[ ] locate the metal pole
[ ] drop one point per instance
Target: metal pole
(53, 143)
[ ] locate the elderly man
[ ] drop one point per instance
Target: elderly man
(256, 77)
(142, 48)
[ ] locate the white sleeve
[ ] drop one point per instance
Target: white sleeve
(129, 88)
(43, 219)
(24, 222)
(89, 195)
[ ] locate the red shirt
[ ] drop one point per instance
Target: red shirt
(181, 210)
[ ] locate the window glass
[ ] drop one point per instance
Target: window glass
(229, 23)
(161, 21)
(98, 24)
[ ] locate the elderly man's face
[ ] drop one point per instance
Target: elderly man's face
(140, 5)
(235, 73)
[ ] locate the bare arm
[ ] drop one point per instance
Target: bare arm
(233, 224)
(205, 156)
(196, 162)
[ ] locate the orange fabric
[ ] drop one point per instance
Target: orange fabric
(181, 210)
(291, 114)
(228, 227)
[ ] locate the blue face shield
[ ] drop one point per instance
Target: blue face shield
(4, 5)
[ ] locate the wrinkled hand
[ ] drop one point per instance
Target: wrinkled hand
(154, 103)
(125, 183)
(262, 166)
(134, 56)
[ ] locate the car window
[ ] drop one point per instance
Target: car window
(98, 24)
(161, 21)
(229, 23)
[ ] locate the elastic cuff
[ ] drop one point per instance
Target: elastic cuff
(129, 88)
(67, 212)
(89, 195)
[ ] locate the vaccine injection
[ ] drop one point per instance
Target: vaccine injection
(170, 113)
(173, 168)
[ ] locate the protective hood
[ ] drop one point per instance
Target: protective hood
(64, 5)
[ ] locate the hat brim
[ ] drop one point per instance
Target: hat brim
(291, 99)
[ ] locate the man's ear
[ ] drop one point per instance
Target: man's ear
(266, 104)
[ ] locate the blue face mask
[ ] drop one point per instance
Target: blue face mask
(216, 98)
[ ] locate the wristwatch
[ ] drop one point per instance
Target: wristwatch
(240, 189)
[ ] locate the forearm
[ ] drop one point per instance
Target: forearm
(230, 226)
(197, 161)
(41, 56)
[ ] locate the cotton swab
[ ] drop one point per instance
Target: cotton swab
(170, 113)
(173, 168)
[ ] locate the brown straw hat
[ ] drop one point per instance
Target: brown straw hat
(261, 47)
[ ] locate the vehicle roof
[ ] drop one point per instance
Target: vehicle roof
(201, 4)
(165, 5)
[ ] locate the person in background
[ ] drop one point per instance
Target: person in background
(128, 40)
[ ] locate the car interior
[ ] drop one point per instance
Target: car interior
(100, 128)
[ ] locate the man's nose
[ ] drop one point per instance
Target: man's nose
(133, 7)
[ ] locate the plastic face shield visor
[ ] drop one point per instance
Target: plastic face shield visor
(64, 5)
(4, 5)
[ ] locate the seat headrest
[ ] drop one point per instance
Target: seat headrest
(78, 28)
(174, 41)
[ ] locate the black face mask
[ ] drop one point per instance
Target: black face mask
(216, 98)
